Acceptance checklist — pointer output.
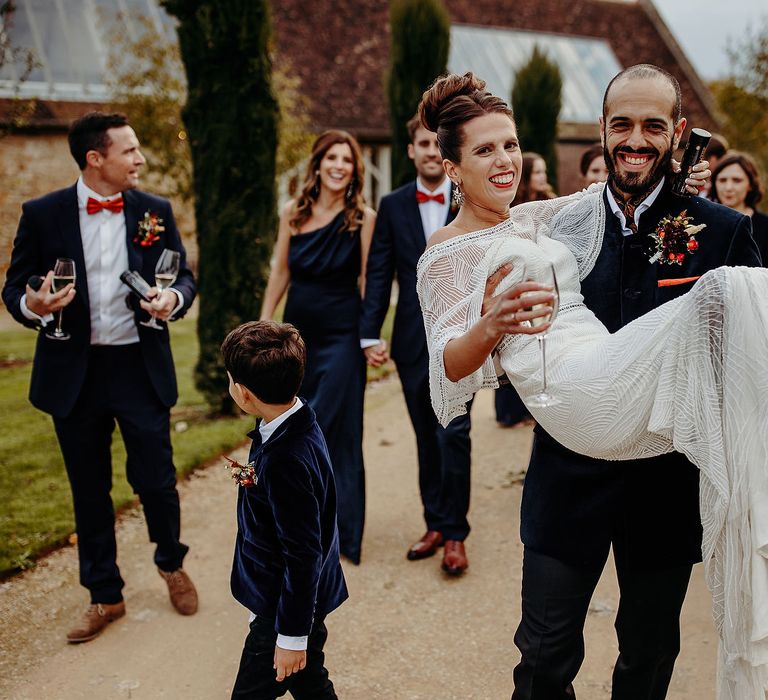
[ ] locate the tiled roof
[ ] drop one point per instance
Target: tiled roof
(340, 48)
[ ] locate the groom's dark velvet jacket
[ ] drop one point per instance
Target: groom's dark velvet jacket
(574, 506)
(286, 566)
(50, 229)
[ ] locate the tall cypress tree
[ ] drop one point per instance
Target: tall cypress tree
(536, 102)
(420, 31)
(231, 117)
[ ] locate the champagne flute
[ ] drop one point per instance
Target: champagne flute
(63, 274)
(166, 271)
(543, 398)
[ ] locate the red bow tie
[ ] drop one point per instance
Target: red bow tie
(422, 197)
(94, 206)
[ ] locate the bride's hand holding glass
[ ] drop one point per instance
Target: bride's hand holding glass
(523, 308)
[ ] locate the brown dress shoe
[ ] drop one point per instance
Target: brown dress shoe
(426, 546)
(95, 619)
(181, 590)
(454, 558)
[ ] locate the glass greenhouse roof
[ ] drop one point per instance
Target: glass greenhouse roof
(68, 38)
(586, 65)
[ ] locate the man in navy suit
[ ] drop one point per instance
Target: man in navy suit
(111, 368)
(576, 508)
(406, 219)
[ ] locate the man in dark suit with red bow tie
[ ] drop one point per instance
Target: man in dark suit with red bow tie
(406, 219)
(110, 368)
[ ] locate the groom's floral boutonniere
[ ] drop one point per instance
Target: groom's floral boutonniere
(244, 475)
(150, 228)
(674, 238)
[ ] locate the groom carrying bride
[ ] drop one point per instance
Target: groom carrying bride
(575, 508)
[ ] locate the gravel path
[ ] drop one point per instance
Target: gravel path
(407, 632)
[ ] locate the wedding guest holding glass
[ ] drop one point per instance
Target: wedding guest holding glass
(592, 166)
(100, 365)
(736, 183)
(576, 508)
(320, 259)
(405, 221)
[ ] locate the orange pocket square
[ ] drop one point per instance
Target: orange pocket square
(674, 281)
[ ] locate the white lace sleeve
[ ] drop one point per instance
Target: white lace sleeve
(451, 298)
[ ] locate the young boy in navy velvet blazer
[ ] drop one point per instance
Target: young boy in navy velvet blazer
(286, 569)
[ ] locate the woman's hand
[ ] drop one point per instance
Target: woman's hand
(507, 312)
(697, 180)
(514, 309)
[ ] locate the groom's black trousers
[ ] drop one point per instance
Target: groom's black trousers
(117, 388)
(550, 637)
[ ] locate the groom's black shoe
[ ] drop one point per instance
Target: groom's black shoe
(426, 546)
(454, 558)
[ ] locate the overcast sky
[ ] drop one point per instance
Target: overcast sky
(703, 28)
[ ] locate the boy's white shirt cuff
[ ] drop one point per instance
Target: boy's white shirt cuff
(292, 643)
(368, 343)
(31, 315)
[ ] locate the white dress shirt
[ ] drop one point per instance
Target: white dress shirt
(105, 252)
(643, 206)
(266, 430)
(433, 214)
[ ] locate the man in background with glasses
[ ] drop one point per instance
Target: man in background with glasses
(106, 367)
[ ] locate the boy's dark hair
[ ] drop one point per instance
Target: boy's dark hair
(89, 133)
(267, 358)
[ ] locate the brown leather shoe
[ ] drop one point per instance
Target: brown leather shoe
(181, 590)
(454, 558)
(95, 619)
(426, 546)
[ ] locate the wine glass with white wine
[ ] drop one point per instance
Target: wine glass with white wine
(543, 398)
(166, 271)
(63, 274)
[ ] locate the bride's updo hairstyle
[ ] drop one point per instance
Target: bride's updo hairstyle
(452, 101)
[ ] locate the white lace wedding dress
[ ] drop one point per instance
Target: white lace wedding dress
(690, 376)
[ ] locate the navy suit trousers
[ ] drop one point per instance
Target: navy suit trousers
(117, 388)
(443, 453)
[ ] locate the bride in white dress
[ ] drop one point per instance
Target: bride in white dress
(690, 376)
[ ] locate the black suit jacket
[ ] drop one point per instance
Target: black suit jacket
(398, 243)
(286, 564)
(574, 506)
(50, 228)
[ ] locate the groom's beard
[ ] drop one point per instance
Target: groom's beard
(637, 183)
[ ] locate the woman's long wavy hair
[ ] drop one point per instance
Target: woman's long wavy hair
(354, 202)
(524, 192)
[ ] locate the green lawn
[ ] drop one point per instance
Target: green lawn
(35, 500)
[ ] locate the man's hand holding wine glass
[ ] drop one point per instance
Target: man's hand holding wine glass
(162, 305)
(45, 300)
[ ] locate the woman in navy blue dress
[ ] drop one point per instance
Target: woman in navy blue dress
(320, 256)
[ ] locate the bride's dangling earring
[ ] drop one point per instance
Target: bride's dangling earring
(458, 195)
(350, 191)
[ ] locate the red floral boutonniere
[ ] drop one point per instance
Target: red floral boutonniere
(244, 475)
(674, 239)
(150, 228)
